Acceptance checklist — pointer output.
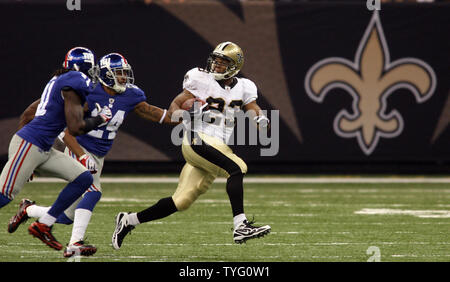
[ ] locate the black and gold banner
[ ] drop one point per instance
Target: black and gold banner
(357, 90)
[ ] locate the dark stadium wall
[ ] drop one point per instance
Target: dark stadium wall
(357, 91)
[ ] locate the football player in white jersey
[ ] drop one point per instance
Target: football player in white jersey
(206, 152)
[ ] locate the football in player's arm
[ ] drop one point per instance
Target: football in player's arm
(206, 153)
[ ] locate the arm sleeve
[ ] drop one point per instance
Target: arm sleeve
(250, 92)
(193, 82)
(78, 82)
(140, 95)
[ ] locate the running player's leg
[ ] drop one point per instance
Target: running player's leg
(80, 179)
(81, 212)
(212, 155)
(192, 183)
(67, 217)
(24, 157)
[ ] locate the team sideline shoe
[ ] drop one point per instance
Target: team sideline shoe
(44, 233)
(21, 216)
(80, 249)
(246, 231)
(122, 229)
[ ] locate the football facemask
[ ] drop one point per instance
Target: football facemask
(115, 72)
(230, 52)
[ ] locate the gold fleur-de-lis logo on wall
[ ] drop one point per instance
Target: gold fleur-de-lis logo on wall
(370, 79)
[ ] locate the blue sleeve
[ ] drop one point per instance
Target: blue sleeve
(139, 95)
(77, 81)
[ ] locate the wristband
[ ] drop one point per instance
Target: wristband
(92, 122)
(163, 116)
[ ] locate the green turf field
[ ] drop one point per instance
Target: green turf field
(310, 222)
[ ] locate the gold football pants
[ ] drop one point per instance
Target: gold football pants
(206, 158)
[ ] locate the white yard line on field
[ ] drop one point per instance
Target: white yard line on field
(417, 213)
(138, 179)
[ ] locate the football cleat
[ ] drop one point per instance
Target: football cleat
(246, 231)
(80, 249)
(44, 233)
(122, 229)
(21, 216)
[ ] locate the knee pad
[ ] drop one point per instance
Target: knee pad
(84, 180)
(182, 204)
(185, 201)
(89, 200)
(64, 219)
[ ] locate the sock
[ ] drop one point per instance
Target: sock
(235, 191)
(70, 194)
(162, 208)
(238, 219)
(37, 211)
(83, 215)
(4, 200)
(47, 219)
(80, 224)
(133, 219)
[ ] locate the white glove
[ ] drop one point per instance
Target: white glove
(104, 113)
(262, 121)
(89, 163)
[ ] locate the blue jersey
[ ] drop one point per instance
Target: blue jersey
(100, 140)
(50, 119)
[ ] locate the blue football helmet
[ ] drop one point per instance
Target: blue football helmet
(115, 72)
(81, 59)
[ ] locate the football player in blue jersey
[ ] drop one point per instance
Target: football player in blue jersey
(116, 91)
(30, 149)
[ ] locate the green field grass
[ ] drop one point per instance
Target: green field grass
(310, 223)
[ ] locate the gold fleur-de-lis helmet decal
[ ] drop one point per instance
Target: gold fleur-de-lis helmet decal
(370, 79)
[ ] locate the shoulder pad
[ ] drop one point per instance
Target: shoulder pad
(196, 79)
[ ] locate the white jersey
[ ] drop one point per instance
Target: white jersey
(222, 101)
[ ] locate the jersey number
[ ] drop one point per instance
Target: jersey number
(219, 103)
(111, 129)
(44, 98)
(41, 109)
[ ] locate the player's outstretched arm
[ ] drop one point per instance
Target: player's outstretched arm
(28, 114)
(152, 113)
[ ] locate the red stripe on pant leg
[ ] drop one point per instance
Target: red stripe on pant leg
(12, 164)
(94, 188)
(18, 169)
